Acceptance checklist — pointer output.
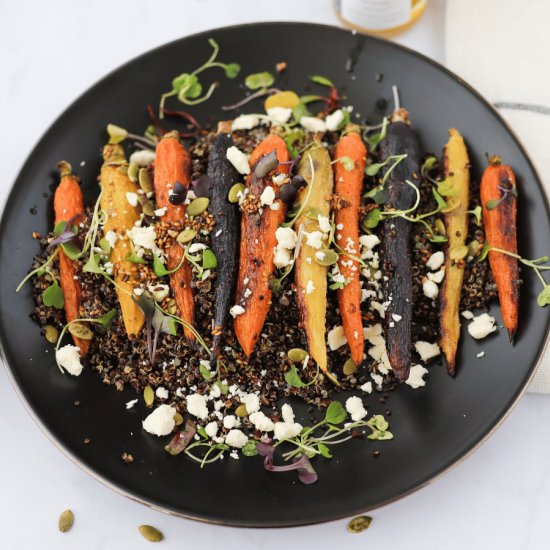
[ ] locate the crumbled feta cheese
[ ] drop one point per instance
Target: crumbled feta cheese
(196, 247)
(143, 237)
(430, 289)
(314, 239)
(161, 393)
(68, 358)
(143, 157)
(416, 376)
(396, 317)
(160, 421)
(211, 429)
(482, 326)
(480, 354)
(320, 255)
(234, 455)
(436, 277)
(286, 430)
(279, 114)
(367, 387)
(286, 238)
(268, 196)
(337, 337)
(132, 198)
(236, 310)
(196, 405)
(369, 241)
(251, 401)
(236, 438)
(247, 293)
(245, 122)
(111, 237)
(313, 124)
(159, 212)
(281, 258)
(287, 413)
(334, 120)
(138, 291)
(426, 350)
(310, 287)
(378, 380)
(130, 404)
(354, 406)
(230, 421)
(435, 261)
(324, 224)
(467, 314)
(238, 159)
(261, 422)
(159, 292)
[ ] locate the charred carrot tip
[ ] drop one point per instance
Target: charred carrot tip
(64, 168)
(494, 160)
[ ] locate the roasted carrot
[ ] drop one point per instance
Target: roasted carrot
(173, 164)
(396, 241)
(121, 217)
(68, 204)
(498, 199)
(457, 177)
(348, 186)
(258, 242)
(315, 168)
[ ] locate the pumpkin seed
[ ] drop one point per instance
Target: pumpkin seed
(178, 419)
(359, 524)
(65, 521)
(233, 196)
(150, 533)
(186, 235)
(458, 252)
(349, 367)
(198, 206)
(123, 169)
(133, 172)
(149, 396)
(241, 411)
(80, 330)
(473, 248)
(149, 208)
(286, 99)
(145, 180)
(51, 334)
(171, 306)
(297, 355)
(330, 258)
(439, 227)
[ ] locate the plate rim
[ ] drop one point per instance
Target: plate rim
(239, 523)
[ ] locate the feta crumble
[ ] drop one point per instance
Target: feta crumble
(467, 314)
(430, 289)
(480, 354)
(245, 122)
(426, 350)
(416, 376)
(161, 393)
(355, 407)
(236, 438)
(211, 429)
(314, 239)
(196, 405)
(313, 124)
(111, 237)
(287, 413)
(482, 326)
(130, 404)
(281, 258)
(324, 224)
(337, 337)
(286, 237)
(435, 261)
(160, 421)
(286, 430)
(143, 237)
(310, 287)
(252, 402)
(334, 120)
(238, 159)
(436, 277)
(261, 422)
(68, 358)
(236, 310)
(279, 114)
(230, 421)
(367, 387)
(142, 158)
(268, 196)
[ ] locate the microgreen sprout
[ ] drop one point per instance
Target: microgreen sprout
(187, 86)
(374, 140)
(506, 192)
(202, 262)
(322, 80)
(118, 134)
(293, 378)
(259, 80)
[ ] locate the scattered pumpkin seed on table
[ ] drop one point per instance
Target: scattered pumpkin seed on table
(145, 180)
(51, 334)
(149, 396)
(198, 206)
(186, 235)
(233, 196)
(80, 330)
(65, 521)
(297, 355)
(133, 172)
(349, 367)
(241, 411)
(150, 533)
(359, 524)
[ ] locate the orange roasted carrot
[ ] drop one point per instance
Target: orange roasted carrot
(258, 242)
(498, 199)
(348, 186)
(172, 164)
(67, 204)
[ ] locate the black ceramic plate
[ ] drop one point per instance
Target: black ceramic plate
(434, 427)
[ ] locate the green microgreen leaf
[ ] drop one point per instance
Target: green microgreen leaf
(116, 133)
(299, 111)
(336, 413)
(372, 219)
(224, 388)
(209, 260)
(104, 245)
(427, 165)
(484, 252)
(92, 265)
(441, 202)
(477, 213)
(291, 138)
(446, 188)
(106, 320)
(53, 296)
(134, 258)
(232, 70)
(292, 378)
(158, 267)
(375, 139)
(492, 204)
(202, 432)
(324, 450)
(71, 250)
(346, 162)
(206, 373)
(380, 436)
(305, 99)
(322, 80)
(256, 81)
(250, 448)
(543, 299)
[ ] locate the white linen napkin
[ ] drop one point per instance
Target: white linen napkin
(502, 48)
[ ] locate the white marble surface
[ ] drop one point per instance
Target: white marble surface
(49, 53)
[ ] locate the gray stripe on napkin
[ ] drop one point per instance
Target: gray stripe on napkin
(514, 106)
